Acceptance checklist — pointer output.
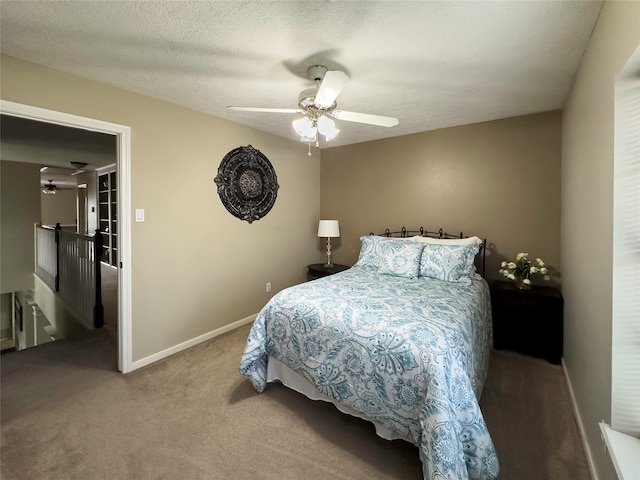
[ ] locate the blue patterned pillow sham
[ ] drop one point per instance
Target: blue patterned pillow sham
(368, 256)
(451, 263)
(400, 258)
(391, 256)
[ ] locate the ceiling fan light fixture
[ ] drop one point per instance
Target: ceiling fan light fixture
(332, 135)
(327, 127)
(311, 138)
(304, 127)
(49, 189)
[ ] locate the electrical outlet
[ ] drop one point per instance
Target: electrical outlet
(268, 286)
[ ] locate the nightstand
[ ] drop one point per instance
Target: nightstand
(318, 270)
(528, 321)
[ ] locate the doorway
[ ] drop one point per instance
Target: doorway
(123, 168)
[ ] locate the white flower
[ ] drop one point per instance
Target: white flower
(523, 268)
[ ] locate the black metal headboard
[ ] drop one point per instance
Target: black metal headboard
(404, 233)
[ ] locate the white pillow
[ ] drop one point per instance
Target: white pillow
(473, 241)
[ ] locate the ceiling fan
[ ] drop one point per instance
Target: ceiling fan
(318, 105)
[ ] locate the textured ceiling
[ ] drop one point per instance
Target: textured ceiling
(430, 64)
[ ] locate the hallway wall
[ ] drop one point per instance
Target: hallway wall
(59, 208)
(19, 211)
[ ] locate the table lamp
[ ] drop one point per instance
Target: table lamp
(329, 229)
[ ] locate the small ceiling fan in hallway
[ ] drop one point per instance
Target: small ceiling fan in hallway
(318, 107)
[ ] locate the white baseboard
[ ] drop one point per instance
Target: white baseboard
(143, 362)
(581, 430)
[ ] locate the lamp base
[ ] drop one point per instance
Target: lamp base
(328, 264)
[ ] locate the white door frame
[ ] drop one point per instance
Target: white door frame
(123, 162)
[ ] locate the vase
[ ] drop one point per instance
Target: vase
(520, 285)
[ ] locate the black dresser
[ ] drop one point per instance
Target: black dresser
(528, 321)
(318, 270)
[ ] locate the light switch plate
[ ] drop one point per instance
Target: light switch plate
(139, 214)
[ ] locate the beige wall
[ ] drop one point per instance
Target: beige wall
(19, 211)
(91, 180)
(499, 180)
(195, 267)
(5, 316)
(59, 208)
(587, 220)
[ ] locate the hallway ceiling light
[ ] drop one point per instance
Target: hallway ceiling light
(49, 189)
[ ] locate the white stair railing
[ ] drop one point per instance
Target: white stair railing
(77, 272)
(69, 263)
(46, 255)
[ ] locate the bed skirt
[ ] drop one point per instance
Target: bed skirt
(278, 371)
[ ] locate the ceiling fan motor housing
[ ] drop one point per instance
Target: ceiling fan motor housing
(307, 99)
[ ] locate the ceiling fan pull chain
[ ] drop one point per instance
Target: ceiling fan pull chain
(309, 154)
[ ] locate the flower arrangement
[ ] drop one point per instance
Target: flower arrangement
(520, 270)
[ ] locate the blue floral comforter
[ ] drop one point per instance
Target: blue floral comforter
(408, 354)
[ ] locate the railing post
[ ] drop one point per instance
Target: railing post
(57, 240)
(98, 311)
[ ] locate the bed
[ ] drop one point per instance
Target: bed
(402, 339)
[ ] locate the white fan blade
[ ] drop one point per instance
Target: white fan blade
(331, 86)
(266, 110)
(365, 118)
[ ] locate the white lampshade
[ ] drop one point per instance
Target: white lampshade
(327, 127)
(328, 228)
(304, 127)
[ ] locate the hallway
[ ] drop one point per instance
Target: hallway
(100, 344)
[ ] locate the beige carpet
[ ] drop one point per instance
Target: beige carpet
(66, 414)
(528, 411)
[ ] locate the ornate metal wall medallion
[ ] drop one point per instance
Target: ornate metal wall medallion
(247, 183)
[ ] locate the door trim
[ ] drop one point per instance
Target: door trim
(123, 162)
